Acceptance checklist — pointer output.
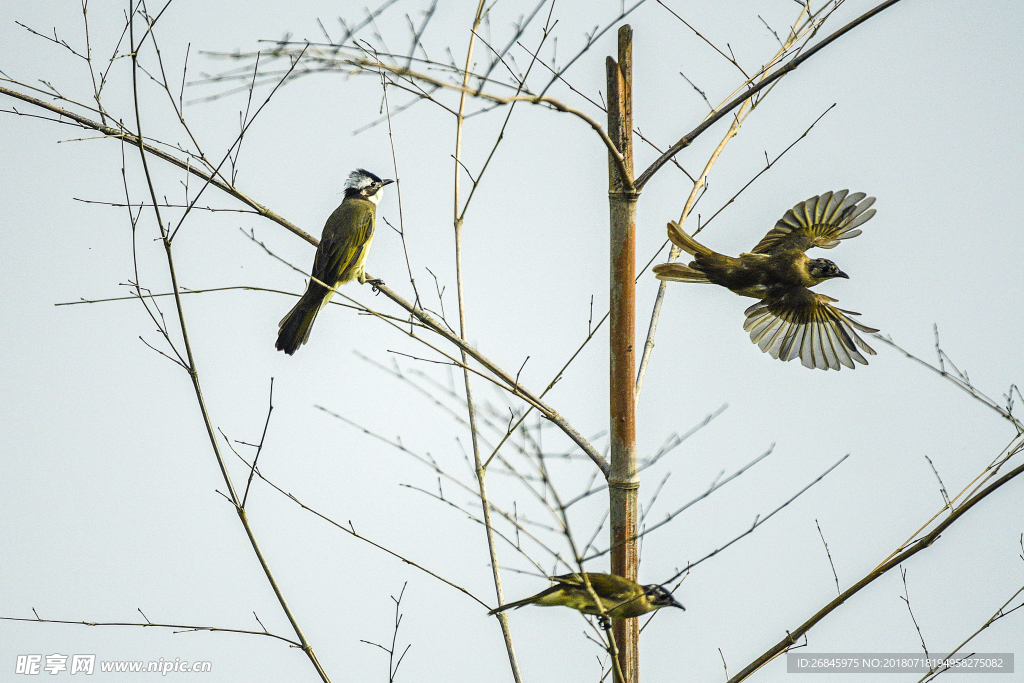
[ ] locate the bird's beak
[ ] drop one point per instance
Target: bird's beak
(386, 182)
(675, 603)
(842, 274)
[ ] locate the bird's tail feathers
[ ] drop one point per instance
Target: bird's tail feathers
(293, 330)
(677, 272)
(682, 240)
(510, 605)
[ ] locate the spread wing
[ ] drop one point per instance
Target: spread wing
(805, 324)
(346, 234)
(818, 222)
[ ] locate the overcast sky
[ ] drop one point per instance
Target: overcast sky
(109, 486)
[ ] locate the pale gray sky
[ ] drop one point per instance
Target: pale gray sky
(109, 485)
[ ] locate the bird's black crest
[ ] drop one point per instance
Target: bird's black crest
(360, 178)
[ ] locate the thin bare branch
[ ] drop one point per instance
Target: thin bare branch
(715, 485)
(729, 58)
(830, 563)
(906, 599)
(959, 379)
(999, 614)
(480, 471)
(793, 636)
(191, 364)
(182, 628)
(792, 64)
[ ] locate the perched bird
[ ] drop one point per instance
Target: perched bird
(620, 597)
(789, 320)
(339, 258)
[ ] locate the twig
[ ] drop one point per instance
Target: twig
(758, 521)
(767, 166)
(500, 376)
(692, 199)
(136, 141)
(521, 85)
(676, 439)
(419, 313)
(728, 58)
(520, 30)
(520, 528)
(591, 39)
(394, 160)
(350, 530)
(184, 628)
(392, 665)
(770, 29)
(830, 563)
(906, 599)
(417, 34)
(942, 487)
(259, 449)
(699, 91)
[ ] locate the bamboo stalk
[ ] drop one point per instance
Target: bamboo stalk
(623, 482)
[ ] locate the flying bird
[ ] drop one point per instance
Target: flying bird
(339, 258)
(620, 597)
(789, 320)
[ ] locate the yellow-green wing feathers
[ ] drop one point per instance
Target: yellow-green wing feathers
(605, 585)
(345, 242)
(821, 221)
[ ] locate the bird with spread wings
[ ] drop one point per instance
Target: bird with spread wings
(789, 320)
